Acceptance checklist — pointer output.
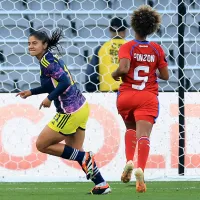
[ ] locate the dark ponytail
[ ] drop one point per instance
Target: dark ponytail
(53, 41)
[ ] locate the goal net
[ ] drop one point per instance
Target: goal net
(86, 26)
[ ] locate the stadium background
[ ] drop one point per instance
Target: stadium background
(86, 25)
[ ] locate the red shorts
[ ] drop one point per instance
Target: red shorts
(138, 105)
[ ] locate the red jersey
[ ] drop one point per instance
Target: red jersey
(146, 57)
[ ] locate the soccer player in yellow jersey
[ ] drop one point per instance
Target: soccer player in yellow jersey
(105, 60)
(69, 123)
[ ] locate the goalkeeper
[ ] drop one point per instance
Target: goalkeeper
(69, 123)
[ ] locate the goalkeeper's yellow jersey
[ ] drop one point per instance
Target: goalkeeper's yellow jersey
(108, 62)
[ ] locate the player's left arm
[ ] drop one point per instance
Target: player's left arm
(163, 73)
(163, 66)
(56, 72)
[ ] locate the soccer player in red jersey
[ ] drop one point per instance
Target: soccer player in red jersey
(141, 62)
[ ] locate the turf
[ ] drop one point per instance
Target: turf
(77, 191)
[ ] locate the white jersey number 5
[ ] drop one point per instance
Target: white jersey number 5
(136, 77)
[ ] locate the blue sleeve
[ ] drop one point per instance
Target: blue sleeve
(92, 73)
(38, 90)
(55, 71)
(63, 84)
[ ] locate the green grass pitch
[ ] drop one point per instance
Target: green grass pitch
(77, 191)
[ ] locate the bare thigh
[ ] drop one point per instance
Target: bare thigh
(143, 128)
(76, 140)
(48, 137)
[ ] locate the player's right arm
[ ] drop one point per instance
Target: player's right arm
(24, 94)
(124, 62)
(124, 66)
(38, 90)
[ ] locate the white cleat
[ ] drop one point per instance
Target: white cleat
(101, 190)
(128, 169)
(140, 184)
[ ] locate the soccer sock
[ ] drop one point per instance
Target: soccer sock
(97, 177)
(143, 151)
(73, 154)
(130, 144)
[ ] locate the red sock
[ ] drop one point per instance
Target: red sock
(143, 151)
(130, 144)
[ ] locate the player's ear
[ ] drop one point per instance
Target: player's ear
(45, 45)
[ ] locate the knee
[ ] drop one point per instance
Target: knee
(143, 134)
(40, 146)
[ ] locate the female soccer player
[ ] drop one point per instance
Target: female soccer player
(141, 62)
(69, 123)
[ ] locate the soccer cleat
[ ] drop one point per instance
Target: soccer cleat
(128, 169)
(98, 190)
(88, 165)
(140, 184)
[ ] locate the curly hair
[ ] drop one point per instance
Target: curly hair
(145, 20)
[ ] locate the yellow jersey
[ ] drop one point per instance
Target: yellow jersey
(108, 62)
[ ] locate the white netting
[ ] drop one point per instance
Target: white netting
(86, 26)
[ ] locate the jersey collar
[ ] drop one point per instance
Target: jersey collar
(142, 42)
(44, 55)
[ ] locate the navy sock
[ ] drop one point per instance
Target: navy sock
(73, 154)
(97, 177)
